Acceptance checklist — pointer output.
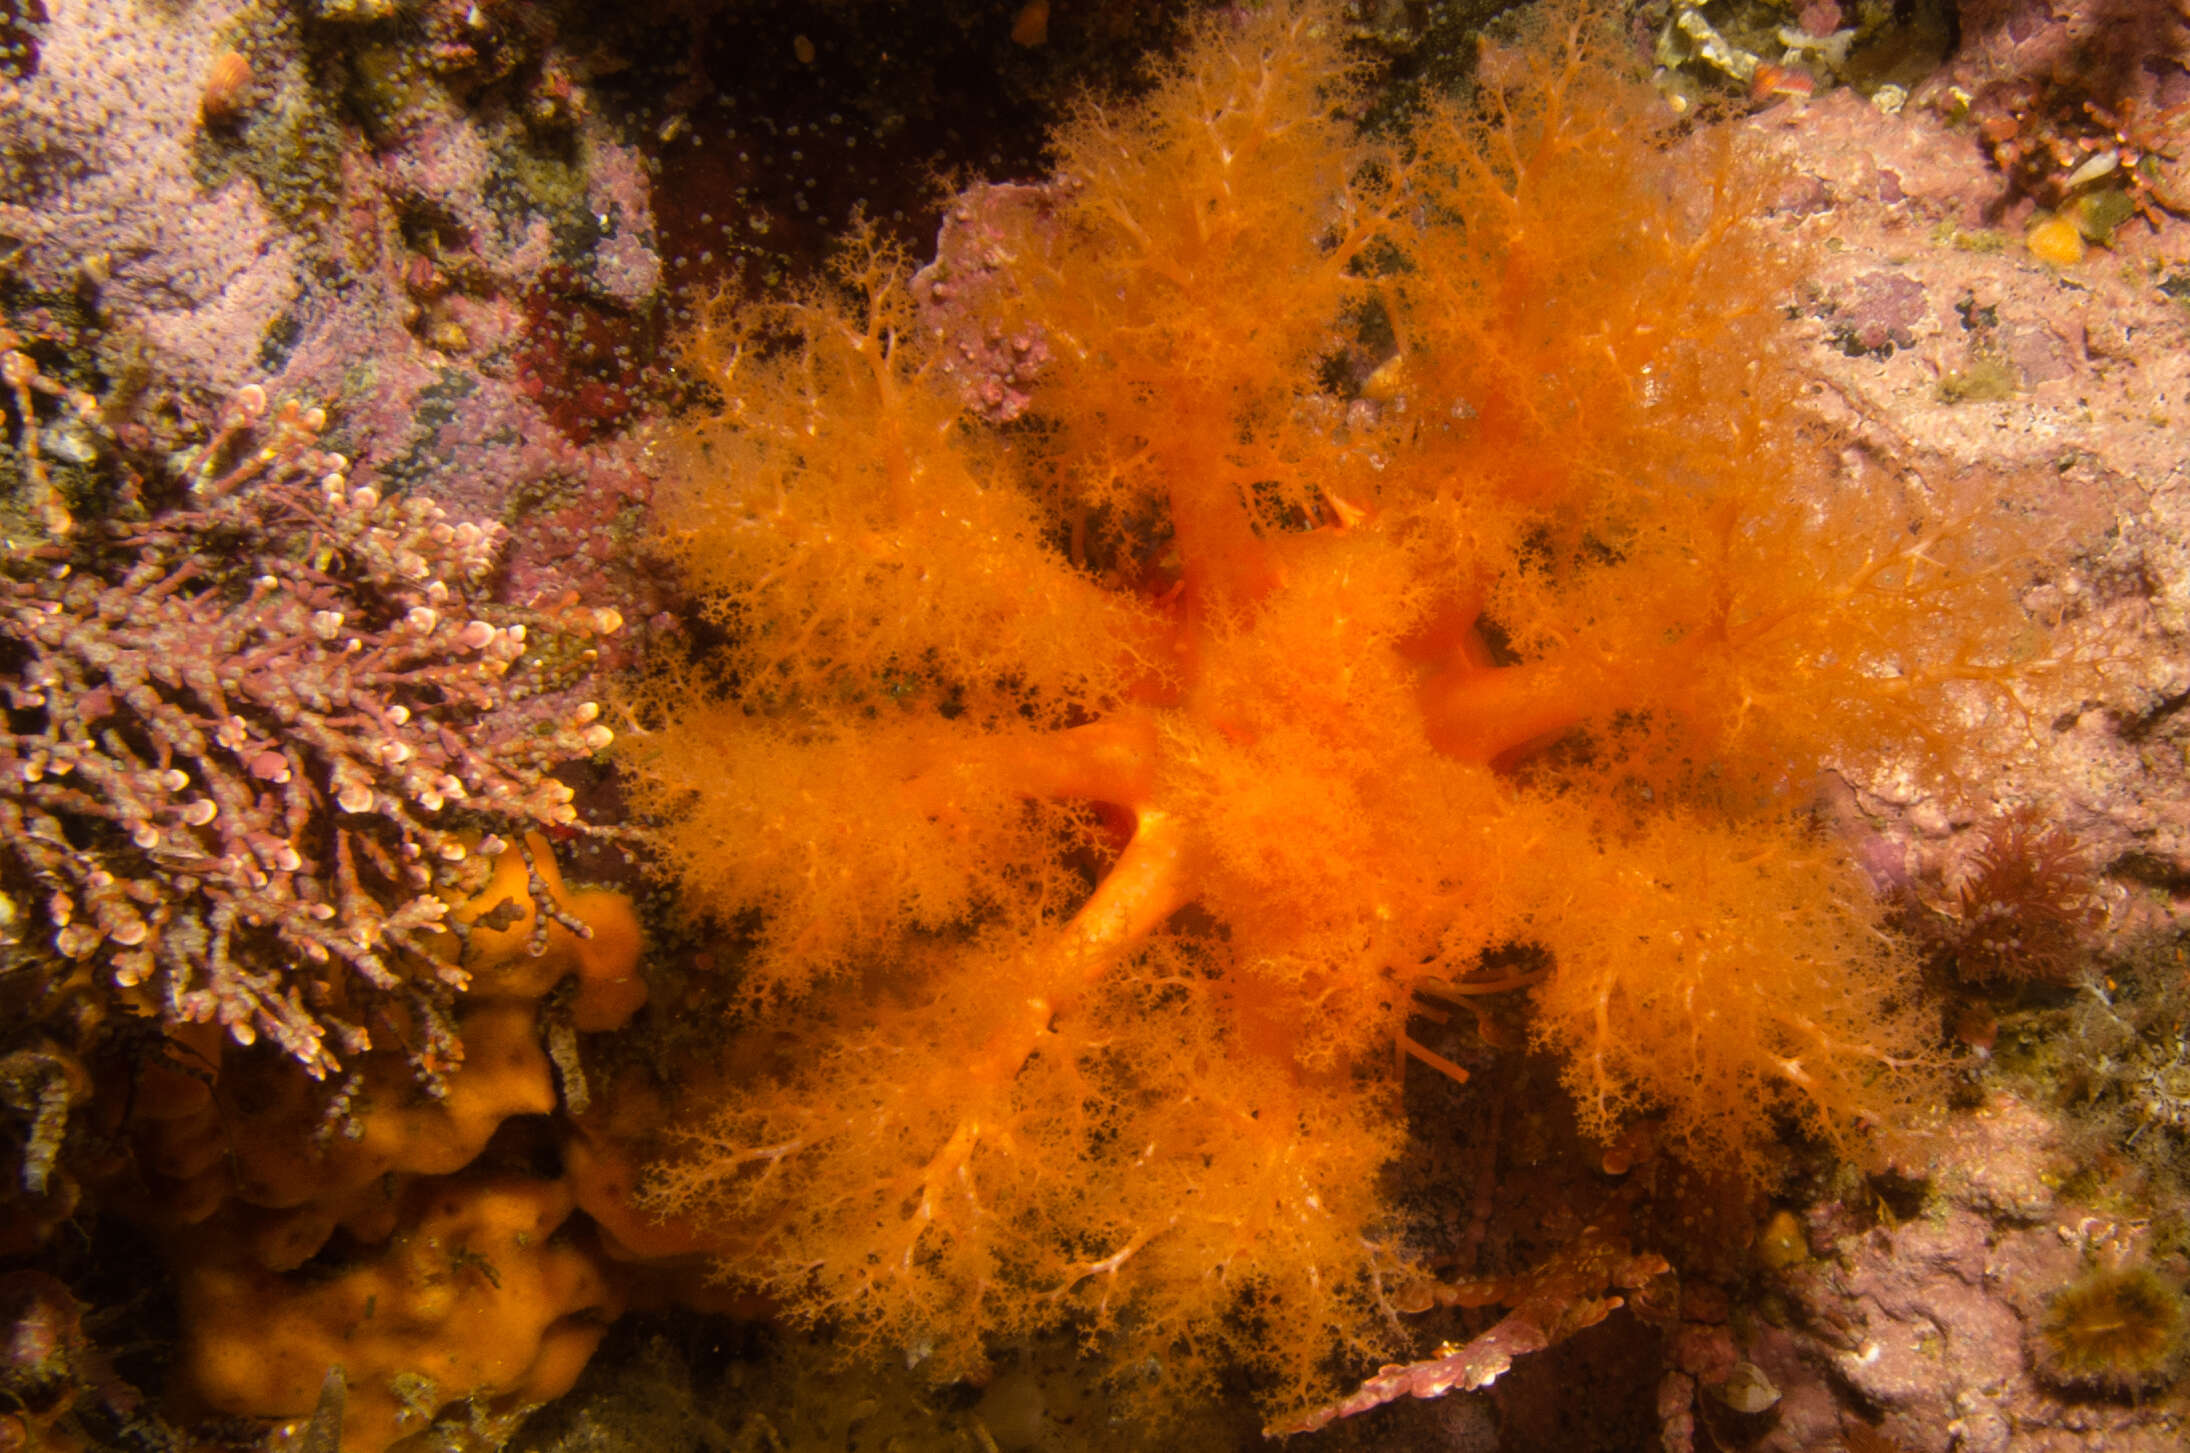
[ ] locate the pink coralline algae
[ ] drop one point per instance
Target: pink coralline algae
(1937, 1322)
(99, 187)
(1879, 312)
(2038, 42)
(501, 349)
(2005, 366)
(960, 297)
(421, 228)
(257, 742)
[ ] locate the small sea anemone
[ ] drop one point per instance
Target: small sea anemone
(2025, 904)
(2116, 1329)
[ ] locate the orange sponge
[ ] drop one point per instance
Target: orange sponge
(430, 1284)
(475, 1298)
